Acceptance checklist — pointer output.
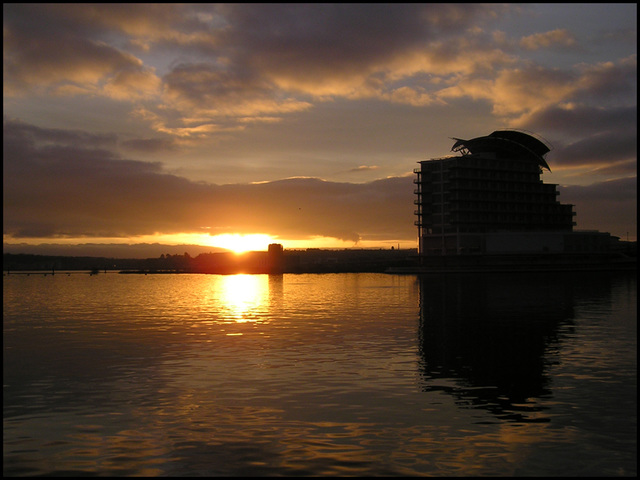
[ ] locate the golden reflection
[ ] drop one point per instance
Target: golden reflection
(244, 296)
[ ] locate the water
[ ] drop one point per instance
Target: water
(318, 375)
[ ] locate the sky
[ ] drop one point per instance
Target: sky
(240, 125)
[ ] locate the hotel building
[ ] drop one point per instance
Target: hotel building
(490, 199)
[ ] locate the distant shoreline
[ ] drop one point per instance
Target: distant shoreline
(313, 260)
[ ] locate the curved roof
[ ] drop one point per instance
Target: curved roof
(508, 142)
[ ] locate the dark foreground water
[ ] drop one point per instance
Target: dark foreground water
(332, 374)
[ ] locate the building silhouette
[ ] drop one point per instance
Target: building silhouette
(488, 208)
(490, 200)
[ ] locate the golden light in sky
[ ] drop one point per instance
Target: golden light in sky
(241, 243)
(236, 242)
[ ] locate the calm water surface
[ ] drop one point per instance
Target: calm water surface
(332, 374)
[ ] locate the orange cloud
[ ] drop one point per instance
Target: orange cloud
(517, 91)
(521, 92)
(131, 85)
(558, 37)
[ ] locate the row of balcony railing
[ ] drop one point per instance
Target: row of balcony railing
(558, 209)
(477, 164)
(504, 224)
(488, 187)
(482, 176)
(436, 202)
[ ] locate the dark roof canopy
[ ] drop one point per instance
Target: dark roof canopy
(506, 142)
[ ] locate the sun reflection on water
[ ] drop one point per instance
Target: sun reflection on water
(244, 296)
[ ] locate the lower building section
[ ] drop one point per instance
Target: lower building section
(522, 251)
(516, 242)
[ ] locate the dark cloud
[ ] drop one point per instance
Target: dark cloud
(74, 188)
(558, 38)
(610, 206)
(271, 57)
(57, 190)
(237, 46)
(108, 22)
(617, 191)
(300, 207)
(599, 149)
(19, 134)
(349, 36)
(222, 91)
(150, 145)
(596, 124)
(609, 83)
(583, 119)
(54, 45)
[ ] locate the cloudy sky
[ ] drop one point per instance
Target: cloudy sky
(301, 123)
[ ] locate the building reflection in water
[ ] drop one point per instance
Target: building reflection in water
(488, 339)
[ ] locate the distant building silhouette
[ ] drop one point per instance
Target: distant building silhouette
(490, 199)
(275, 256)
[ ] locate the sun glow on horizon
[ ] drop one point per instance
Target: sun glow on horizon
(240, 243)
(259, 242)
(235, 242)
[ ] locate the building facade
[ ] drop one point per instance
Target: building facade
(490, 199)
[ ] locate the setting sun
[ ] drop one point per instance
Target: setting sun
(235, 242)
(241, 243)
